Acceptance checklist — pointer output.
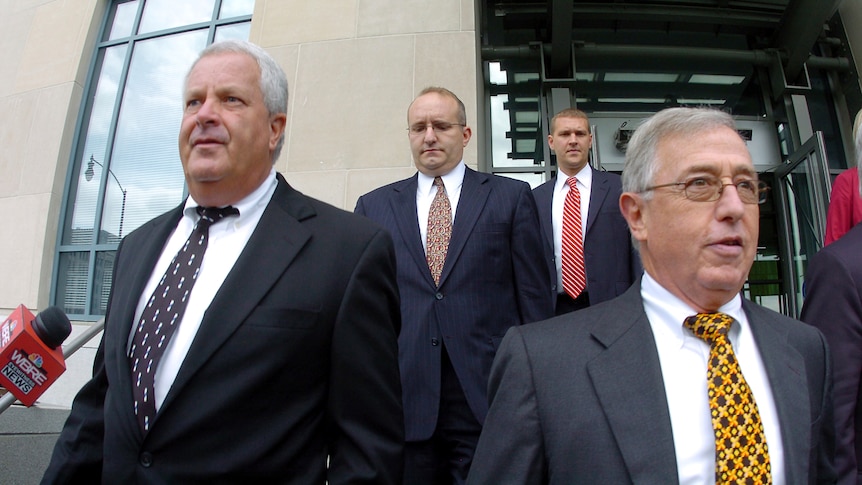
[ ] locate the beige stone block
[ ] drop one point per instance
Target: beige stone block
(287, 57)
(56, 44)
(350, 104)
(326, 186)
(449, 60)
(17, 117)
(468, 15)
(300, 21)
(43, 260)
(49, 139)
(13, 38)
(37, 138)
(360, 182)
(23, 254)
(390, 17)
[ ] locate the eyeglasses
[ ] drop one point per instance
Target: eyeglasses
(437, 126)
(709, 189)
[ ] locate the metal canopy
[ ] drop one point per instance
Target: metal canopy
(644, 55)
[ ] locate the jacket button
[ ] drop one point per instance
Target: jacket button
(146, 459)
(435, 342)
(439, 296)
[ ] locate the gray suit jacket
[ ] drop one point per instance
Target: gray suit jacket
(579, 399)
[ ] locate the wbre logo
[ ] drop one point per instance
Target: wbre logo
(36, 359)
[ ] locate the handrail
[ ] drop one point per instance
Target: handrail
(8, 399)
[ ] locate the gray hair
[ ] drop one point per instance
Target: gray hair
(273, 81)
(641, 162)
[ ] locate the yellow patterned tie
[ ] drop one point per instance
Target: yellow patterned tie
(741, 454)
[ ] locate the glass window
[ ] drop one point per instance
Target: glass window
(80, 224)
(233, 31)
(235, 8)
(169, 14)
(124, 20)
(126, 168)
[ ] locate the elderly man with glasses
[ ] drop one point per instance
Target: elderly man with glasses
(680, 379)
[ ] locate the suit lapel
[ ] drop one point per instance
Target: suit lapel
(474, 193)
(598, 194)
(628, 371)
(785, 368)
(403, 206)
(544, 195)
(276, 241)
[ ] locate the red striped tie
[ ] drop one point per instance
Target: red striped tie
(574, 277)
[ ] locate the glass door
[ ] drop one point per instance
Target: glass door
(802, 189)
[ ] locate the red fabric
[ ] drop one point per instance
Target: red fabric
(574, 275)
(845, 205)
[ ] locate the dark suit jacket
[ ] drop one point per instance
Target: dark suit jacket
(580, 399)
(611, 261)
(493, 278)
(295, 360)
(833, 303)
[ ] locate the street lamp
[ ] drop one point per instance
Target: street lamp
(88, 174)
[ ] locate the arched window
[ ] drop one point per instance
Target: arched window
(125, 166)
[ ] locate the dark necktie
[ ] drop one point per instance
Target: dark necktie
(741, 454)
(439, 231)
(572, 243)
(165, 310)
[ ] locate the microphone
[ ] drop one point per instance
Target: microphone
(31, 358)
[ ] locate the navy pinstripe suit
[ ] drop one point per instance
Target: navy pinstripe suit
(494, 277)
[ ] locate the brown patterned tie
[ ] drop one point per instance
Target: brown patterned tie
(572, 243)
(164, 312)
(741, 454)
(439, 230)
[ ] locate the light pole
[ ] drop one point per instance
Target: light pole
(88, 174)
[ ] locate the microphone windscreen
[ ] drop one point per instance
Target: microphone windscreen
(52, 326)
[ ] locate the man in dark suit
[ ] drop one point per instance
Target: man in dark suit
(610, 261)
(491, 277)
(618, 392)
(833, 303)
(283, 367)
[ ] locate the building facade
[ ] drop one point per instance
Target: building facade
(81, 167)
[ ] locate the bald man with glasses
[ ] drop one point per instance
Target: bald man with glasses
(470, 265)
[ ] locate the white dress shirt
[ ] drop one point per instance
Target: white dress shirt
(683, 358)
(561, 189)
(425, 192)
(227, 239)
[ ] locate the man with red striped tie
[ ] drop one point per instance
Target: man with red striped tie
(588, 241)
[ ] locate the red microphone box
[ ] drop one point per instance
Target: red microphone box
(27, 365)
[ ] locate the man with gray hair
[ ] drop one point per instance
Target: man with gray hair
(680, 379)
(280, 365)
